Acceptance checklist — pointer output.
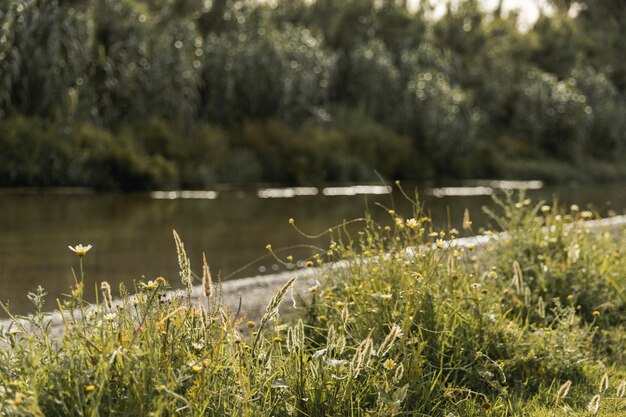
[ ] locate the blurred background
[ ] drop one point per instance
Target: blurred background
(138, 94)
(235, 97)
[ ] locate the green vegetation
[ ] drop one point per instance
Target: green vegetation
(192, 93)
(529, 324)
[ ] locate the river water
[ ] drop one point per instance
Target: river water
(131, 234)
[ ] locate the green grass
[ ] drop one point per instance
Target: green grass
(530, 324)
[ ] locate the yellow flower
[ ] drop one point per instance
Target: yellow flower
(570, 297)
(291, 220)
(151, 285)
(277, 339)
(389, 364)
(596, 313)
(440, 243)
(412, 223)
(90, 388)
(545, 209)
(196, 368)
(417, 275)
(586, 214)
(80, 250)
(309, 264)
(250, 325)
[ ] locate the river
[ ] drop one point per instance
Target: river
(132, 239)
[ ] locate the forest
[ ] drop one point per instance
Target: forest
(143, 94)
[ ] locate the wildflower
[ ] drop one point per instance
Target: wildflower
(109, 317)
(18, 399)
(586, 215)
(313, 289)
(389, 364)
(440, 243)
(309, 264)
(417, 276)
(250, 325)
(196, 368)
(80, 250)
(392, 212)
(545, 209)
(197, 346)
(412, 223)
(454, 231)
(492, 274)
(470, 246)
(489, 233)
(291, 220)
(596, 313)
(151, 285)
(570, 297)
(574, 208)
(399, 222)
(425, 219)
(433, 234)
(387, 228)
(277, 339)
(268, 246)
(90, 388)
(13, 332)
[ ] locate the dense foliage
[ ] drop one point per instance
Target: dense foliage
(529, 324)
(468, 92)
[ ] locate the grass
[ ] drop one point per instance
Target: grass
(530, 324)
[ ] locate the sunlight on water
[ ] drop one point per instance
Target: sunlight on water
(460, 191)
(191, 195)
(357, 190)
(485, 188)
(286, 192)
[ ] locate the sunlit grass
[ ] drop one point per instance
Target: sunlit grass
(411, 323)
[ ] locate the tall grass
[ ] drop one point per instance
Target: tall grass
(410, 323)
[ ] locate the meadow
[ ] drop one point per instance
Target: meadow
(403, 321)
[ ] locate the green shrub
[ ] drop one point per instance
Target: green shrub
(552, 116)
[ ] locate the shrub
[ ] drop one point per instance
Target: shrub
(552, 115)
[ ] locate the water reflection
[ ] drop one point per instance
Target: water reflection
(131, 234)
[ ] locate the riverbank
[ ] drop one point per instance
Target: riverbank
(248, 297)
(526, 322)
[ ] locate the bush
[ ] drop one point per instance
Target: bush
(36, 153)
(552, 116)
(264, 74)
(607, 108)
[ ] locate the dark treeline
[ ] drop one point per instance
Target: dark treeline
(151, 93)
